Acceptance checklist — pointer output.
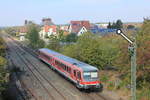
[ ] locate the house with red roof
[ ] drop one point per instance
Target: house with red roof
(79, 27)
(64, 27)
(22, 32)
(48, 30)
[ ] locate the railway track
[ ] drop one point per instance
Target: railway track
(94, 96)
(27, 51)
(26, 94)
(104, 98)
(28, 63)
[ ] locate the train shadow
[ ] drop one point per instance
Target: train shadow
(89, 90)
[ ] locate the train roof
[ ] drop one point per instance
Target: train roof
(82, 65)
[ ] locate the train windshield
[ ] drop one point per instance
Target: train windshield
(90, 76)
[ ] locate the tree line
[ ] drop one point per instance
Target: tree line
(3, 63)
(115, 25)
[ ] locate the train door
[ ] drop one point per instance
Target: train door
(75, 74)
(53, 61)
(78, 76)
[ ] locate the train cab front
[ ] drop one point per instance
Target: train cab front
(91, 81)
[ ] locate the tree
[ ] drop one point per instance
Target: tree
(71, 38)
(41, 44)
(54, 43)
(143, 40)
(2, 47)
(143, 52)
(119, 24)
(109, 25)
(61, 36)
(93, 50)
(3, 63)
(33, 35)
(115, 25)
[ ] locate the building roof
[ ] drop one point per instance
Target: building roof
(86, 24)
(82, 65)
(23, 29)
(47, 21)
(76, 28)
(47, 27)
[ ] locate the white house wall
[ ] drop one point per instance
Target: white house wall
(83, 30)
(42, 33)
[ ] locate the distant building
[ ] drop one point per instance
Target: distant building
(86, 24)
(79, 27)
(22, 32)
(93, 26)
(102, 25)
(64, 27)
(81, 31)
(47, 21)
(28, 22)
(25, 22)
(48, 30)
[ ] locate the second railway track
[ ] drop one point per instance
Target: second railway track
(29, 64)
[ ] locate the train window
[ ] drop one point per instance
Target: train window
(45, 56)
(90, 75)
(62, 65)
(74, 72)
(65, 67)
(58, 63)
(79, 75)
(69, 69)
(94, 74)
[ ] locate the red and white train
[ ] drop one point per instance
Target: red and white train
(83, 75)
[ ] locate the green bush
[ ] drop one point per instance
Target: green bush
(143, 94)
(111, 86)
(93, 50)
(104, 78)
(3, 63)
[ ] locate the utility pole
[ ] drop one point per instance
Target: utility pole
(132, 49)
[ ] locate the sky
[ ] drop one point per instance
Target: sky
(14, 12)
